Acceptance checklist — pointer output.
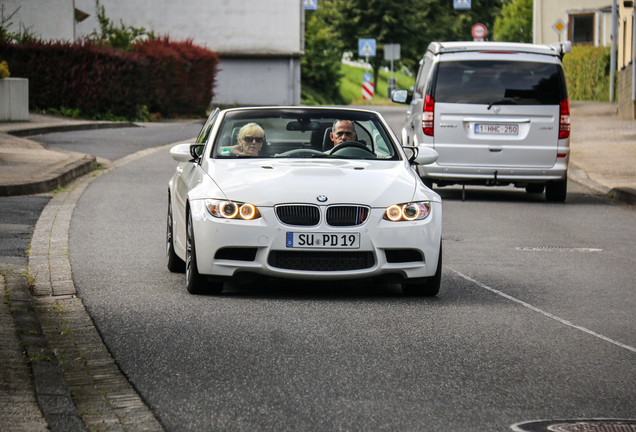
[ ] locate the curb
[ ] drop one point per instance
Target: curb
(51, 389)
(69, 128)
(57, 178)
(627, 195)
(100, 391)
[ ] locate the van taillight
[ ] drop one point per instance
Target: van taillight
(564, 121)
(429, 116)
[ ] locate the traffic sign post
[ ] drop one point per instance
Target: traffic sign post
(367, 89)
(367, 86)
(479, 32)
(559, 27)
(391, 52)
(366, 48)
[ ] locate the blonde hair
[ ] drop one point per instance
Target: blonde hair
(249, 129)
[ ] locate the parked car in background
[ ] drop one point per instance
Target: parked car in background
(497, 114)
(284, 202)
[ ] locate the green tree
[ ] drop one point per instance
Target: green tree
(320, 65)
(386, 21)
(411, 23)
(515, 22)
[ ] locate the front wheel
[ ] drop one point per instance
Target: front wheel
(195, 282)
(173, 262)
(431, 287)
(556, 191)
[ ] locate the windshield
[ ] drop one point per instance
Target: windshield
(499, 82)
(303, 133)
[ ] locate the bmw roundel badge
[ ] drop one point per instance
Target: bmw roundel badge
(321, 198)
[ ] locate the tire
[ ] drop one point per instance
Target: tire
(556, 191)
(173, 262)
(535, 188)
(431, 287)
(195, 282)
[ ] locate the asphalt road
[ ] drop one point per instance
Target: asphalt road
(535, 320)
(113, 144)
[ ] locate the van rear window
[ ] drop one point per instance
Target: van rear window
(502, 82)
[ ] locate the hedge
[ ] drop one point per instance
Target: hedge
(159, 75)
(587, 71)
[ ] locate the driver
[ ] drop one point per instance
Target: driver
(343, 131)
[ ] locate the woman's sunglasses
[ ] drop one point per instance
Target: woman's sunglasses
(249, 139)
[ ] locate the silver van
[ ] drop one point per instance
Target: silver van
(497, 114)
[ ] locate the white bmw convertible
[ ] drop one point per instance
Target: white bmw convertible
(302, 193)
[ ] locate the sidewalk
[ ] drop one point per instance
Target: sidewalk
(27, 167)
(603, 150)
(56, 373)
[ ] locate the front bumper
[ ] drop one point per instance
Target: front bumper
(404, 250)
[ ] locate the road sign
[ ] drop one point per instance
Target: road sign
(366, 47)
(391, 51)
(559, 26)
(367, 77)
(367, 90)
(461, 4)
(310, 5)
(479, 32)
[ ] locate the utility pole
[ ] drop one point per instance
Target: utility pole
(613, 51)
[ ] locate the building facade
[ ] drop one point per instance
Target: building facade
(46, 19)
(587, 22)
(259, 43)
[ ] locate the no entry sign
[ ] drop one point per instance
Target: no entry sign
(479, 31)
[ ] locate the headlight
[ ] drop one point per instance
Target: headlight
(408, 211)
(231, 209)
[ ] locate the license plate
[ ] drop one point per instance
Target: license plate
(323, 240)
(511, 129)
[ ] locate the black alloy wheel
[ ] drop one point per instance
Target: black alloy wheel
(173, 262)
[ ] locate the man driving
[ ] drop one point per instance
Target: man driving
(343, 131)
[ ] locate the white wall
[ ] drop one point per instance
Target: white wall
(254, 81)
(259, 42)
(224, 26)
(48, 19)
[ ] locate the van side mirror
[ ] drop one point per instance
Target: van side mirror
(401, 96)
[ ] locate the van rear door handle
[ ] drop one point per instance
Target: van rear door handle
(495, 148)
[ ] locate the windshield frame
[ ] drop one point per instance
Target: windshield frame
(304, 129)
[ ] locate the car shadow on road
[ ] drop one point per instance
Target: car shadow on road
(315, 290)
(513, 195)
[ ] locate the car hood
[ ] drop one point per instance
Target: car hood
(269, 182)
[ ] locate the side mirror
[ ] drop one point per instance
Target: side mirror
(422, 155)
(186, 152)
(401, 96)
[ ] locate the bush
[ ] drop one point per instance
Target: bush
(180, 76)
(587, 71)
(171, 78)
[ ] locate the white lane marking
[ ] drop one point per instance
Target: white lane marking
(548, 314)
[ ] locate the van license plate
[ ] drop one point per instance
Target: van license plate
(503, 129)
(323, 240)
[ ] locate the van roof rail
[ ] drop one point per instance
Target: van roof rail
(447, 47)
